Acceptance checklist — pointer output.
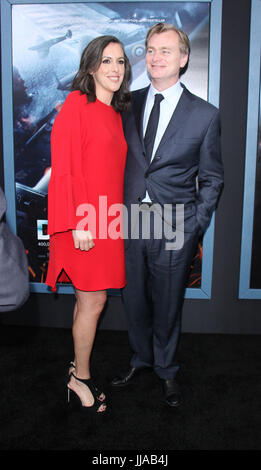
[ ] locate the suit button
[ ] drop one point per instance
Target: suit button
(146, 174)
(157, 157)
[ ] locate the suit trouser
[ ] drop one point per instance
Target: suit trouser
(153, 299)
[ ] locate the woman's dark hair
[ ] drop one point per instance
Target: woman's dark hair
(90, 62)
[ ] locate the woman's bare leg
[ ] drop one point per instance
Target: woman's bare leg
(71, 368)
(89, 306)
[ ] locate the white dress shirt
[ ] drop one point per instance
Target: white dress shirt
(167, 108)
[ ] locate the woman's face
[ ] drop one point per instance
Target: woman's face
(109, 76)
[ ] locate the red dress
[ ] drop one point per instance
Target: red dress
(86, 186)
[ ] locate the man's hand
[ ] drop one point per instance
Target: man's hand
(83, 240)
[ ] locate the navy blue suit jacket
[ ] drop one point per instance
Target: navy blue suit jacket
(187, 167)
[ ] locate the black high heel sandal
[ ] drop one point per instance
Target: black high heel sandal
(98, 392)
(89, 383)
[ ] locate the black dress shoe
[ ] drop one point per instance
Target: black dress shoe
(125, 378)
(172, 392)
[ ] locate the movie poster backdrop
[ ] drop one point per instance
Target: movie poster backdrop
(47, 42)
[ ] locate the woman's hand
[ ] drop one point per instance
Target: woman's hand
(83, 240)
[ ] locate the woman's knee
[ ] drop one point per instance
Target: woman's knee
(91, 301)
(99, 301)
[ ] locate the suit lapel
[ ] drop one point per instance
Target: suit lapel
(178, 117)
(180, 114)
(138, 110)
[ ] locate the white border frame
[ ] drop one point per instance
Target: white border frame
(254, 83)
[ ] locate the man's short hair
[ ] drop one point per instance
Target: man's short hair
(158, 28)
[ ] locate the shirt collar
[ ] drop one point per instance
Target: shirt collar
(169, 94)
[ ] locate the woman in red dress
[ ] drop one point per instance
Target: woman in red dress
(85, 189)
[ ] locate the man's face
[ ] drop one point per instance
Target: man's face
(164, 59)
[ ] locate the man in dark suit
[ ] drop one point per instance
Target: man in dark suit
(173, 162)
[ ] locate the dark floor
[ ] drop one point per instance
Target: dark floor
(220, 377)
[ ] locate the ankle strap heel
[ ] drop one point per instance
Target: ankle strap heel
(89, 383)
(97, 392)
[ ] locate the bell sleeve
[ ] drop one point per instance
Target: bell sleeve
(67, 187)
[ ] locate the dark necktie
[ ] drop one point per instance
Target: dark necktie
(152, 126)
